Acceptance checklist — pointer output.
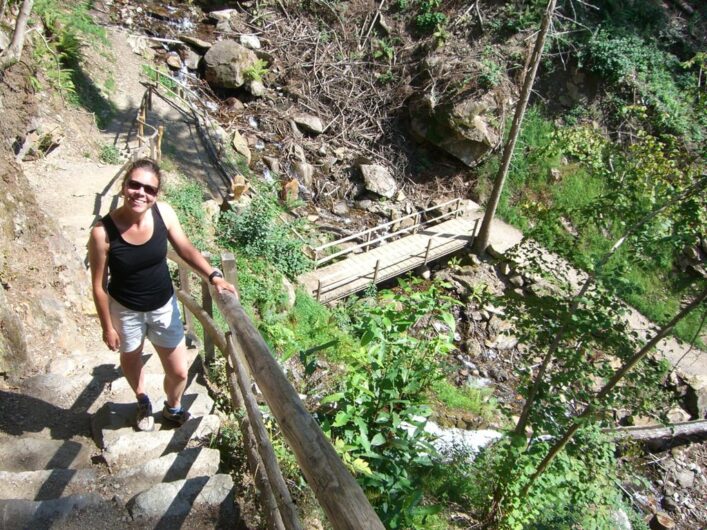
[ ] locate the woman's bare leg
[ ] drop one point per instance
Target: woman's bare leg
(133, 369)
(176, 371)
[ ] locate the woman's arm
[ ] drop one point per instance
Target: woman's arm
(98, 246)
(187, 251)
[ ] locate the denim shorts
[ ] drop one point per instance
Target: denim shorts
(163, 327)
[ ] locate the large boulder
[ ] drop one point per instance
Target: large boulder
(226, 64)
(467, 130)
(379, 180)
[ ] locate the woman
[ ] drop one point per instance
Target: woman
(136, 300)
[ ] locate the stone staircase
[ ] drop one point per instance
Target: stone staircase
(71, 458)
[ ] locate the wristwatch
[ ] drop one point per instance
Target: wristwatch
(215, 274)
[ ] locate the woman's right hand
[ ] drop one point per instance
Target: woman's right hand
(112, 339)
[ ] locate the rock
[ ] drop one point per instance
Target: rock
(555, 175)
(304, 172)
(425, 273)
(340, 208)
(379, 180)
(192, 60)
(272, 163)
(4, 40)
(250, 41)
(506, 342)
(233, 103)
(621, 520)
(685, 478)
(696, 399)
(505, 268)
(171, 502)
(677, 415)
(516, 280)
(473, 347)
(309, 123)
(173, 61)
(226, 64)
(642, 421)
(669, 504)
(662, 521)
(195, 42)
(222, 15)
(256, 88)
(364, 204)
(289, 292)
(464, 130)
(240, 144)
(141, 46)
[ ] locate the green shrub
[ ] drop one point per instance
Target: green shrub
(109, 154)
(380, 408)
(429, 18)
(256, 232)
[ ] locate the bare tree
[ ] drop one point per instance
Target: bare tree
(14, 51)
(481, 242)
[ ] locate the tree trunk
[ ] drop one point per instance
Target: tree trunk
(481, 242)
(14, 51)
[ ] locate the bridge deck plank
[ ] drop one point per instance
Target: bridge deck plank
(356, 272)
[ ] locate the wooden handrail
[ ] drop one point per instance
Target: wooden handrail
(414, 228)
(383, 225)
(340, 496)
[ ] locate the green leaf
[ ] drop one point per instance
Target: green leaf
(377, 440)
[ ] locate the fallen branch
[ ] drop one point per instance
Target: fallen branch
(661, 432)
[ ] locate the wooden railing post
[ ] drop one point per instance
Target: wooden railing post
(368, 240)
(279, 489)
(427, 251)
(188, 318)
(319, 290)
(375, 271)
(266, 497)
(230, 270)
(208, 306)
(418, 218)
(141, 125)
(160, 135)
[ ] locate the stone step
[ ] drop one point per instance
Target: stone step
(30, 454)
(188, 503)
(20, 513)
(116, 419)
(54, 483)
(130, 448)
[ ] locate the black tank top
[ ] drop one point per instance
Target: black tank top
(139, 277)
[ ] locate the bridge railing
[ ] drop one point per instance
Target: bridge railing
(378, 272)
(367, 234)
(246, 352)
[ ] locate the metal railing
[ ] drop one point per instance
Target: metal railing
(456, 211)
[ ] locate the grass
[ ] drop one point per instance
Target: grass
(476, 401)
(187, 197)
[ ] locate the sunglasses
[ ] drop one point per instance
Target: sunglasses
(134, 185)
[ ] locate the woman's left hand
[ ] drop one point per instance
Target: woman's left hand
(222, 285)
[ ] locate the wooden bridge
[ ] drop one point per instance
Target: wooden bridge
(416, 239)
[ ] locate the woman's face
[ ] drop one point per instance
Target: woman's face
(141, 189)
